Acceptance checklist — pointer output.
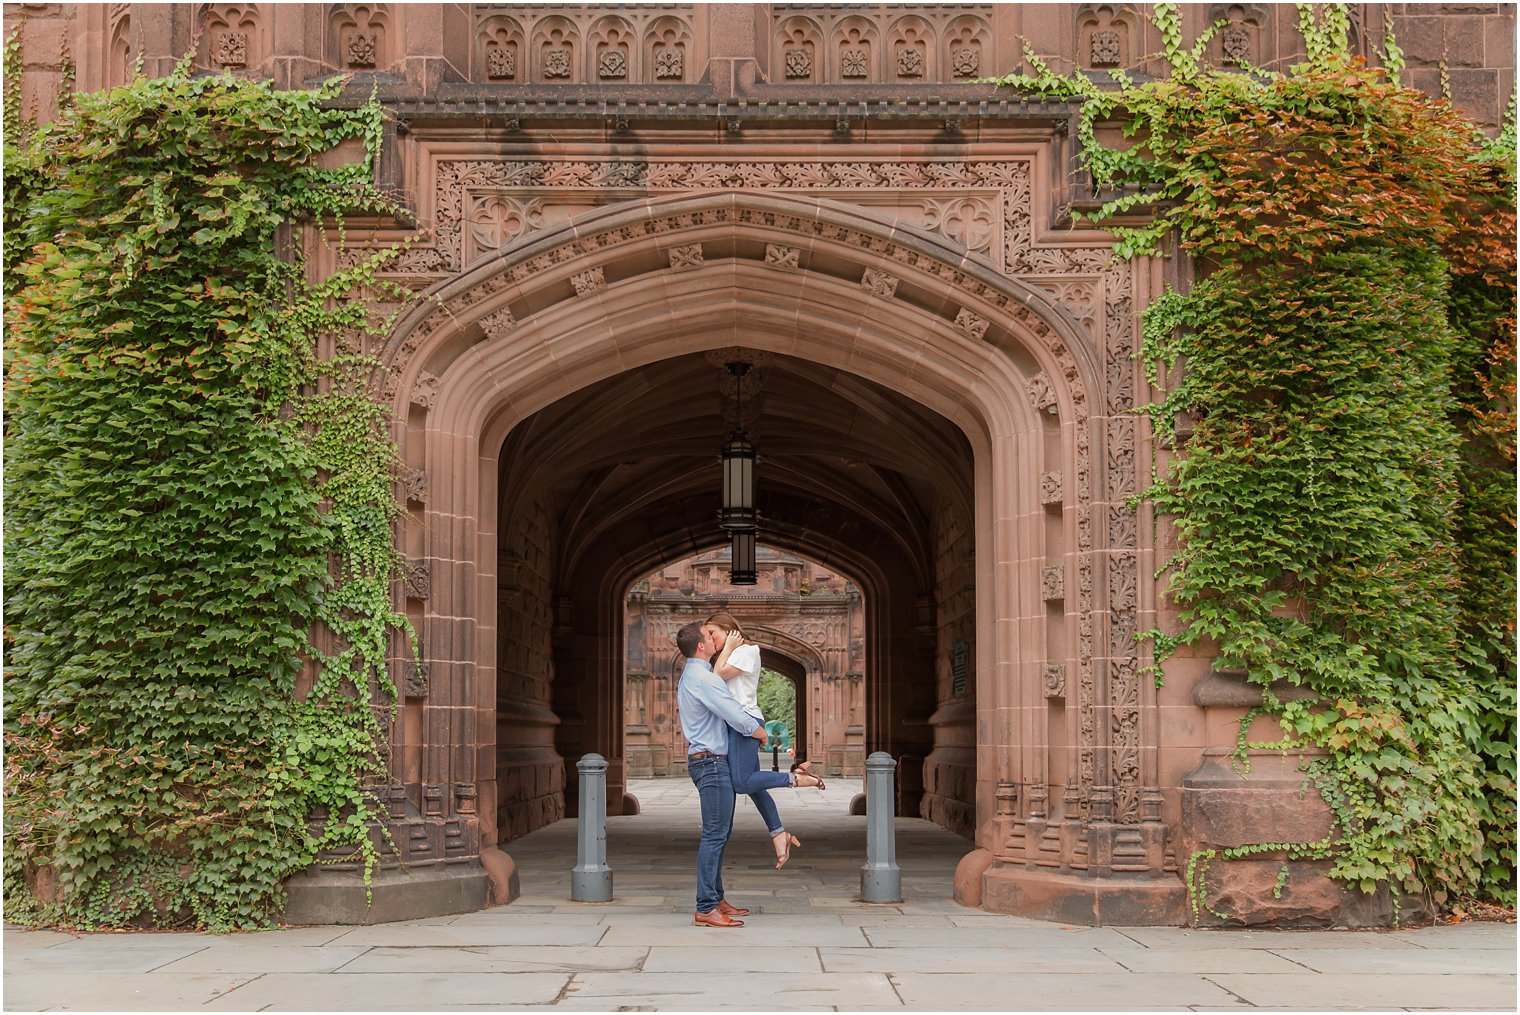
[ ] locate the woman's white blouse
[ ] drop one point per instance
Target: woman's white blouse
(747, 684)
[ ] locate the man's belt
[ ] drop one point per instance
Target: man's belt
(704, 754)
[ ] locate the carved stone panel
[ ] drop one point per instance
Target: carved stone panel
(685, 258)
(879, 283)
(592, 280)
(781, 257)
(1053, 583)
(970, 324)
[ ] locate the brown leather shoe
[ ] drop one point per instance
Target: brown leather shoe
(716, 918)
(730, 910)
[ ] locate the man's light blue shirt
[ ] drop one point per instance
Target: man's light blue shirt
(708, 708)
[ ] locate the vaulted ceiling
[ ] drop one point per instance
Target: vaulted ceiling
(848, 471)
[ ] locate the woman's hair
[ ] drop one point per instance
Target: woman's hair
(728, 623)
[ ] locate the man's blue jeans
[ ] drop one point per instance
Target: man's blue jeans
(715, 792)
(744, 768)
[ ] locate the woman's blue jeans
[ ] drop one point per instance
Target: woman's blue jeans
(744, 770)
(715, 792)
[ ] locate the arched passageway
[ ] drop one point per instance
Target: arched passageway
(927, 428)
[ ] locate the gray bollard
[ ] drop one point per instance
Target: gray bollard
(880, 878)
(591, 879)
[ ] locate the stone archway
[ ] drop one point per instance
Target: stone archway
(1056, 569)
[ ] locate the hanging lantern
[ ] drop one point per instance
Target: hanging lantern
(738, 514)
(741, 567)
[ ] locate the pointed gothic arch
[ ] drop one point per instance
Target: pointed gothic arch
(857, 292)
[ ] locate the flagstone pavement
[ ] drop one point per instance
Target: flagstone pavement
(808, 946)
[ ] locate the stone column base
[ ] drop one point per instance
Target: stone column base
(1116, 901)
(320, 895)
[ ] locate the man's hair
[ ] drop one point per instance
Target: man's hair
(688, 638)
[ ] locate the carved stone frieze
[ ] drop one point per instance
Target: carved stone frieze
(966, 61)
(853, 62)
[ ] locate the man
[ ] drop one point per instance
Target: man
(707, 708)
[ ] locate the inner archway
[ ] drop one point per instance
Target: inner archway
(807, 619)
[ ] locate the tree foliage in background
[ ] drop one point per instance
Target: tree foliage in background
(777, 698)
(1345, 493)
(198, 508)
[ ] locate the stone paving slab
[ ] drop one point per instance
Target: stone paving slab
(967, 960)
(1273, 940)
(1209, 960)
(389, 991)
(733, 991)
(468, 935)
(1464, 935)
(761, 959)
(1423, 960)
(89, 956)
(255, 957)
(1461, 991)
(683, 932)
(1055, 991)
(993, 937)
(100, 991)
(507, 959)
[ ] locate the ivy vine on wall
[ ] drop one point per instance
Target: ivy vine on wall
(198, 527)
(1344, 486)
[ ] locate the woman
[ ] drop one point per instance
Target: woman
(738, 662)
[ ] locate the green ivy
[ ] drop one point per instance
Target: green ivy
(198, 525)
(1344, 490)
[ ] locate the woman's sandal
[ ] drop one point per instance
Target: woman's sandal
(784, 841)
(801, 768)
